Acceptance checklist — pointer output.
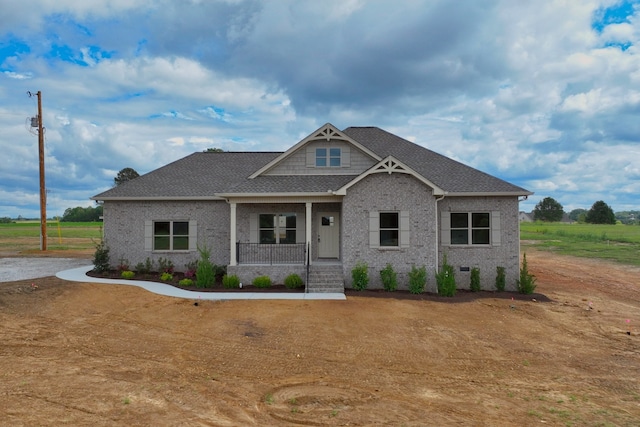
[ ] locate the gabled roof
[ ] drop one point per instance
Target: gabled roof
(326, 132)
(451, 176)
(211, 175)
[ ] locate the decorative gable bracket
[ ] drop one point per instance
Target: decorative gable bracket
(391, 165)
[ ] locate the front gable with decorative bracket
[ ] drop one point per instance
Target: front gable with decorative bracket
(391, 165)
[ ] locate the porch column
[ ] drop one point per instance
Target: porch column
(232, 233)
(308, 228)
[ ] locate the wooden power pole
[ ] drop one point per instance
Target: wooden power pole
(43, 190)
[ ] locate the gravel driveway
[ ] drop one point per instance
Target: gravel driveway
(13, 269)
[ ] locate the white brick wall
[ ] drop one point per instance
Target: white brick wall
(124, 229)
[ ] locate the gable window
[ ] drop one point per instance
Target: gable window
(277, 228)
(389, 229)
(328, 157)
(171, 235)
(470, 228)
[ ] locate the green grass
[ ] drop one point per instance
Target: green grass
(619, 243)
(25, 235)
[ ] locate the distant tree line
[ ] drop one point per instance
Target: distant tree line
(549, 209)
(82, 214)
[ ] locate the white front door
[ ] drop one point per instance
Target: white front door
(328, 235)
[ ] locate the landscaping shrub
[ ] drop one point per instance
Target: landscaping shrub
(165, 265)
(445, 279)
(185, 282)
(417, 279)
(205, 274)
(293, 281)
(166, 277)
(389, 278)
(123, 264)
(262, 282)
(360, 276)
(527, 281)
(127, 274)
(101, 258)
(190, 269)
(475, 280)
(500, 279)
(230, 282)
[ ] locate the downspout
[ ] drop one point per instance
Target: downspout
(437, 236)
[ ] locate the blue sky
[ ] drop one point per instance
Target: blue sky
(544, 94)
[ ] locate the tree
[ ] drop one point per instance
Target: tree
(214, 150)
(601, 213)
(126, 174)
(578, 215)
(80, 214)
(548, 209)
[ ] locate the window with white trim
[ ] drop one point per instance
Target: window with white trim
(171, 235)
(328, 157)
(277, 228)
(470, 228)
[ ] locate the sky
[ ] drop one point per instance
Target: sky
(543, 94)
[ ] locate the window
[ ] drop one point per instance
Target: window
(389, 229)
(277, 228)
(328, 157)
(470, 225)
(171, 236)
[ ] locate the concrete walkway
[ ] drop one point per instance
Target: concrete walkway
(79, 275)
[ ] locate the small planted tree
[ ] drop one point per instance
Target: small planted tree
(445, 279)
(205, 273)
(101, 258)
(360, 276)
(417, 279)
(500, 279)
(475, 280)
(389, 278)
(527, 281)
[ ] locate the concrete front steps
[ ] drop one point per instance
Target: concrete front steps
(325, 279)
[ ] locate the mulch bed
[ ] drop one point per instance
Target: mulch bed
(462, 295)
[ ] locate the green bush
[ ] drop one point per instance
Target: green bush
(127, 274)
(293, 281)
(185, 282)
(101, 258)
(501, 280)
(527, 281)
(262, 282)
(166, 277)
(360, 276)
(389, 278)
(230, 282)
(165, 265)
(446, 279)
(205, 274)
(475, 280)
(417, 279)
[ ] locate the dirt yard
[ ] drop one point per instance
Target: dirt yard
(100, 355)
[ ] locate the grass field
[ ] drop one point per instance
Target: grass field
(618, 242)
(25, 235)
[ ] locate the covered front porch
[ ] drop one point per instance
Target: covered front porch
(281, 237)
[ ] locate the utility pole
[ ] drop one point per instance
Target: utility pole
(43, 191)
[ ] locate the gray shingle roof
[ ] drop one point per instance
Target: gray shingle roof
(206, 174)
(446, 173)
(197, 175)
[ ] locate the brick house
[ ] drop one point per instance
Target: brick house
(334, 199)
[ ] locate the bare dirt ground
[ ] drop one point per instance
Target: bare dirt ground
(101, 355)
